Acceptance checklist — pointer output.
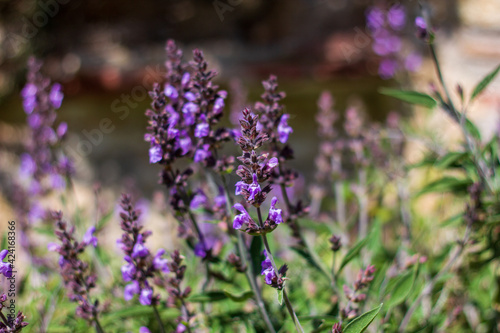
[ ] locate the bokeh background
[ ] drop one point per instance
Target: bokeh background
(104, 51)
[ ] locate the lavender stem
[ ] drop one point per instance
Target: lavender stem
(158, 318)
(289, 307)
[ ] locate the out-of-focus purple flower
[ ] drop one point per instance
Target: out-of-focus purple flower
(171, 92)
(36, 213)
(56, 96)
(189, 111)
(130, 290)
(34, 120)
(202, 153)
(128, 271)
(160, 263)
(57, 181)
(375, 18)
(242, 218)
(254, 188)
(155, 154)
(200, 250)
(202, 128)
(5, 268)
(144, 329)
(337, 328)
(199, 199)
(189, 96)
(220, 201)
(62, 129)
(274, 213)
(218, 105)
(387, 68)
(396, 17)
(181, 328)
(386, 43)
(413, 62)
(267, 269)
(89, 237)
(283, 129)
(27, 166)
(185, 144)
(421, 26)
(53, 247)
(186, 77)
(139, 249)
(146, 296)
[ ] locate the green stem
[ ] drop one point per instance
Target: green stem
(249, 273)
(98, 326)
(158, 318)
(289, 307)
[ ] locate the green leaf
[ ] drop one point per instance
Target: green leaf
(209, 296)
(353, 252)
(104, 220)
(403, 287)
(472, 129)
(239, 298)
(412, 97)
(279, 293)
(446, 184)
(484, 82)
(450, 159)
(360, 323)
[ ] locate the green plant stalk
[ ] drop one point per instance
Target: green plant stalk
(288, 304)
(303, 240)
(249, 273)
(158, 318)
(428, 287)
(460, 118)
(98, 326)
(340, 203)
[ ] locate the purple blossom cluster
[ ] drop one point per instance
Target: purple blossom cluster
(5, 267)
(75, 273)
(184, 115)
(275, 280)
(44, 165)
(385, 27)
(254, 171)
(9, 324)
(141, 266)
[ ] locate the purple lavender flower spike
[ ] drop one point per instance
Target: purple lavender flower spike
(218, 105)
(189, 110)
(160, 263)
(146, 296)
(5, 268)
(275, 214)
(155, 154)
(240, 186)
(181, 328)
(56, 96)
(242, 218)
(422, 29)
(396, 17)
(254, 188)
(53, 247)
(200, 250)
(186, 77)
(130, 290)
(89, 237)
(144, 329)
(62, 129)
(283, 129)
(189, 96)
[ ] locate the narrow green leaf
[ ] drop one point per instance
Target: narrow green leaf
(484, 82)
(279, 293)
(472, 129)
(360, 323)
(105, 219)
(446, 184)
(412, 97)
(209, 296)
(403, 287)
(353, 252)
(239, 298)
(450, 159)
